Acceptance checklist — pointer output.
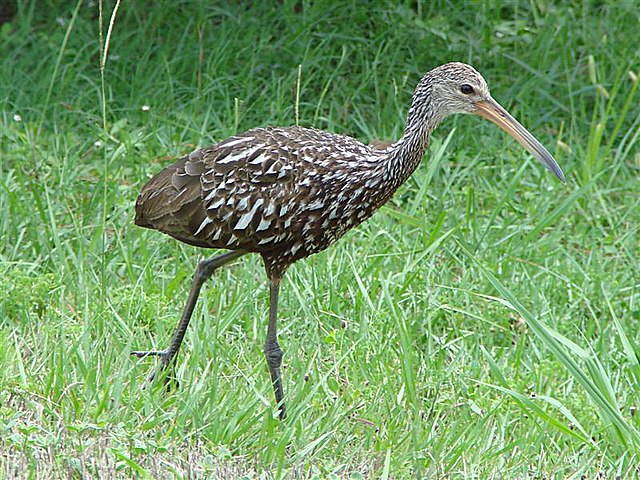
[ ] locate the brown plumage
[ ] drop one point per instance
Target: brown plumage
(287, 193)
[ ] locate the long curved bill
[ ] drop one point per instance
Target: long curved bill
(491, 110)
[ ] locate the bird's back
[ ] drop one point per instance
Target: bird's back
(284, 190)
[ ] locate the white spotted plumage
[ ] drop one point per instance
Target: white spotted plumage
(286, 190)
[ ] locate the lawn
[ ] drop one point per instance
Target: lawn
(484, 324)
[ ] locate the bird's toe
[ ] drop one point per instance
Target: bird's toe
(169, 379)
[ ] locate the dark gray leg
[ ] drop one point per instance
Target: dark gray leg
(203, 273)
(272, 349)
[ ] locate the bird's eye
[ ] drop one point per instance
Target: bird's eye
(466, 89)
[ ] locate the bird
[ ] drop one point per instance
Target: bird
(289, 192)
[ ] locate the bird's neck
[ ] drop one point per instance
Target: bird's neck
(404, 156)
(400, 160)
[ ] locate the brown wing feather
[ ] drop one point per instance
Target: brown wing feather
(380, 144)
(245, 183)
(171, 202)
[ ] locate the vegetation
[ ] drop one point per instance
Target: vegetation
(484, 324)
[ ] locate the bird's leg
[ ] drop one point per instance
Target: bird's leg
(203, 272)
(271, 348)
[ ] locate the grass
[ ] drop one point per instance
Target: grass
(484, 324)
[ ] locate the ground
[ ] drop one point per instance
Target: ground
(484, 324)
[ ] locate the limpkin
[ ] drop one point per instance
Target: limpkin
(287, 193)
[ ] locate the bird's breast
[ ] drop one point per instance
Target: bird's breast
(320, 218)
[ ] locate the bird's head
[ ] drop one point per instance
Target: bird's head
(459, 88)
(456, 88)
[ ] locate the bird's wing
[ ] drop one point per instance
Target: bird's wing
(247, 183)
(380, 144)
(170, 202)
(255, 191)
(235, 194)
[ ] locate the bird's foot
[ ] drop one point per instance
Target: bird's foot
(170, 381)
(282, 411)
